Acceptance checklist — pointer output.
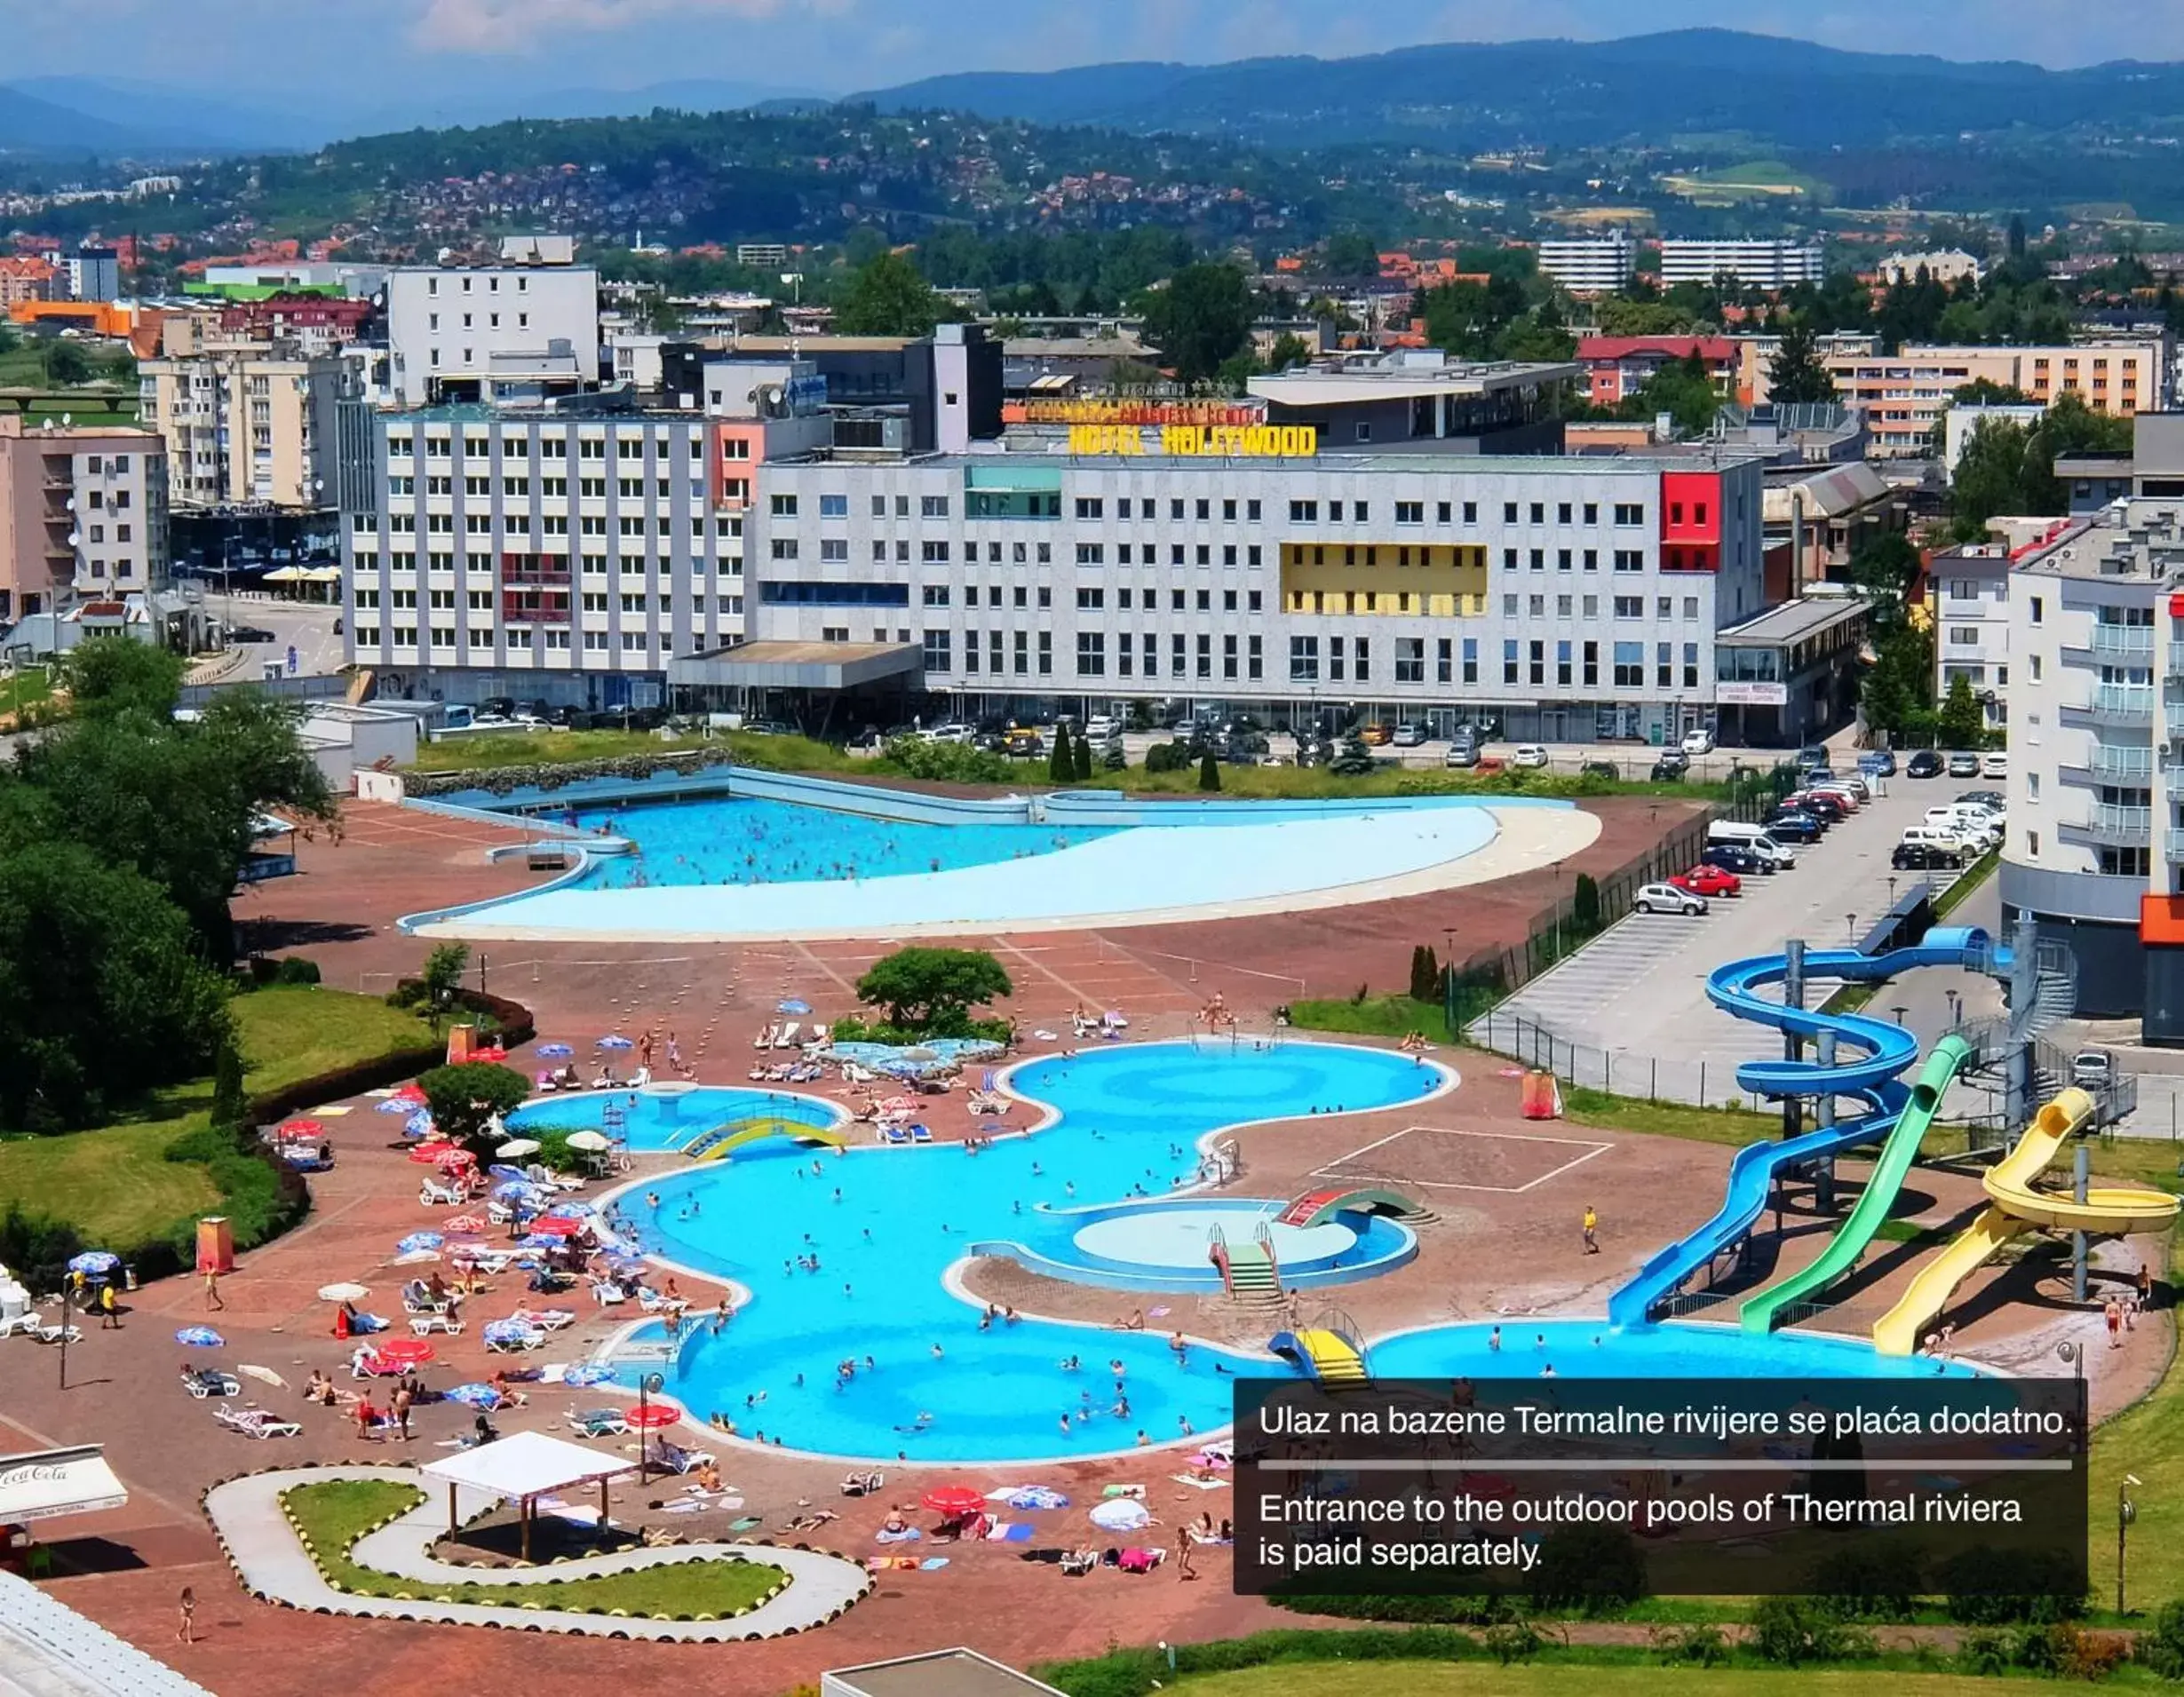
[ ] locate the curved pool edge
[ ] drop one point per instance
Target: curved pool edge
(1861, 1343)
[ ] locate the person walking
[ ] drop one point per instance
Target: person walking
(212, 1290)
(186, 1624)
(402, 1401)
(2114, 1313)
(109, 1317)
(1592, 1231)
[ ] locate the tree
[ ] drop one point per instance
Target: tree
(1060, 764)
(1209, 773)
(1352, 253)
(1424, 974)
(1585, 905)
(115, 675)
(888, 297)
(1083, 768)
(230, 1107)
(1897, 695)
(1681, 389)
(1985, 392)
(1990, 478)
(930, 991)
(1200, 319)
(66, 365)
(442, 977)
(1288, 351)
(1796, 373)
(1887, 571)
(1962, 722)
(1354, 759)
(469, 1099)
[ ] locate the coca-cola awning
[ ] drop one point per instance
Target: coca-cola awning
(53, 1482)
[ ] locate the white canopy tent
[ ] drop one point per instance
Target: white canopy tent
(525, 1466)
(50, 1482)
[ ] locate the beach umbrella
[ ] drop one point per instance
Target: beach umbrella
(302, 1129)
(556, 1226)
(417, 1240)
(570, 1208)
(1122, 1514)
(465, 1226)
(91, 1262)
(516, 1148)
(491, 1051)
(477, 1395)
(499, 1331)
(514, 1190)
(449, 1160)
(794, 1004)
(200, 1337)
(590, 1142)
(419, 1124)
(540, 1241)
(265, 1375)
(650, 1416)
(395, 1105)
(406, 1352)
(587, 1373)
(412, 1091)
(414, 1258)
(348, 1290)
(425, 1153)
(615, 1040)
(953, 1500)
(554, 1052)
(1036, 1496)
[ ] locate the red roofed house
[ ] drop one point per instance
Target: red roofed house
(1617, 366)
(25, 279)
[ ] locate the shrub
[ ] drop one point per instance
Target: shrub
(2040, 1647)
(37, 1246)
(230, 1105)
(1433, 1610)
(1983, 1652)
(1585, 904)
(1512, 1641)
(1167, 757)
(1060, 761)
(2092, 1655)
(1597, 1569)
(2161, 1646)
(1707, 1645)
(1424, 974)
(1209, 773)
(1879, 1581)
(1984, 1588)
(1114, 759)
(295, 970)
(1791, 1631)
(1084, 767)
(944, 762)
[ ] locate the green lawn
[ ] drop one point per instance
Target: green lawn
(115, 1184)
(496, 749)
(1478, 1679)
(335, 1515)
(1730, 1125)
(1376, 1016)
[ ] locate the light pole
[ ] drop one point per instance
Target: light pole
(1899, 1011)
(2126, 1511)
(648, 1387)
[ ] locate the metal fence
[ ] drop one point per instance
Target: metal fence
(1617, 1071)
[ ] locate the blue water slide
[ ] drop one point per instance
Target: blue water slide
(1871, 1057)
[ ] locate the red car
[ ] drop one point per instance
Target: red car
(1709, 880)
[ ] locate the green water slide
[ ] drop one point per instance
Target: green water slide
(1950, 1057)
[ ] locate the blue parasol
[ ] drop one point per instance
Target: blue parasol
(94, 1262)
(395, 1104)
(572, 1208)
(200, 1337)
(542, 1241)
(514, 1190)
(417, 1240)
(477, 1395)
(553, 1052)
(615, 1039)
(794, 1004)
(588, 1374)
(502, 1331)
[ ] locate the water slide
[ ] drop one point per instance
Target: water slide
(1878, 1053)
(1951, 1056)
(1333, 1358)
(2014, 1207)
(725, 1140)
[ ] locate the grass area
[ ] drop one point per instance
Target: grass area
(497, 749)
(1966, 886)
(1485, 1679)
(114, 1183)
(1729, 1125)
(2147, 1441)
(1376, 1016)
(335, 1515)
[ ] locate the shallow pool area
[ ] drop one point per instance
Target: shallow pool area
(1518, 1348)
(1170, 1245)
(662, 1118)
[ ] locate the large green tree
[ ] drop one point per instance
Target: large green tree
(1797, 373)
(469, 1099)
(888, 297)
(1682, 389)
(1201, 319)
(931, 991)
(1887, 571)
(1961, 722)
(1351, 253)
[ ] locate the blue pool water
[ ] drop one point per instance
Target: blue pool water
(1163, 1245)
(887, 1223)
(1588, 1349)
(660, 1118)
(743, 839)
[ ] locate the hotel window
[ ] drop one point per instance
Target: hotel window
(1206, 656)
(933, 554)
(1228, 656)
(1091, 654)
(1090, 506)
(1411, 660)
(1691, 667)
(1090, 553)
(1509, 660)
(936, 595)
(1303, 512)
(1590, 657)
(834, 506)
(1629, 607)
(1561, 663)
(1303, 658)
(1592, 512)
(1629, 559)
(933, 506)
(1411, 512)
(1254, 660)
(1509, 513)
(833, 549)
(1088, 596)
(1179, 654)
(1630, 665)
(1664, 665)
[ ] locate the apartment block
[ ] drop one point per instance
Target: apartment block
(1902, 393)
(82, 516)
(26, 277)
(245, 422)
(1969, 598)
(491, 333)
(1590, 266)
(1617, 366)
(1756, 265)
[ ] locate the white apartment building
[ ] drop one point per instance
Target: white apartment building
(1941, 266)
(1758, 265)
(2095, 836)
(1590, 264)
(1970, 601)
(244, 422)
(1571, 599)
(564, 556)
(504, 332)
(1902, 393)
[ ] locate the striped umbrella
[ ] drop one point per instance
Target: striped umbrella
(200, 1337)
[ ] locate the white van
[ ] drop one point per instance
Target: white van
(1754, 837)
(1968, 820)
(1942, 837)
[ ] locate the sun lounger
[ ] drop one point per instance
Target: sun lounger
(893, 1134)
(547, 1179)
(254, 1421)
(433, 1194)
(788, 1037)
(863, 1484)
(921, 1134)
(766, 1037)
(674, 1457)
(1077, 1563)
(550, 1319)
(598, 1422)
(439, 1320)
(515, 1342)
(46, 1332)
(605, 1293)
(202, 1382)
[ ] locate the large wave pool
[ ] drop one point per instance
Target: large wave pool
(883, 1227)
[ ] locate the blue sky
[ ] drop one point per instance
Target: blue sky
(364, 52)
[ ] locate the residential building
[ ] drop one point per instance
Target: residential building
(1422, 402)
(357, 281)
(1809, 432)
(314, 324)
(1755, 359)
(922, 394)
(1617, 366)
(1962, 421)
(1825, 515)
(1789, 676)
(82, 516)
(1950, 265)
(26, 277)
(504, 332)
(1755, 265)
(245, 422)
(1902, 393)
(1568, 598)
(1968, 595)
(763, 255)
(2090, 481)
(2153, 467)
(2093, 847)
(565, 553)
(94, 273)
(1590, 264)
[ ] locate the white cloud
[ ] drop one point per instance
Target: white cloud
(515, 26)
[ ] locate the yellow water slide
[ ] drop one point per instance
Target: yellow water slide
(1334, 1359)
(2014, 1206)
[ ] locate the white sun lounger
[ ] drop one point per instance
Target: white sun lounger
(788, 1037)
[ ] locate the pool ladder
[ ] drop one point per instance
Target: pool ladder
(1249, 1272)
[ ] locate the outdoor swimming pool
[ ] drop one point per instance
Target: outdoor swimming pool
(661, 1118)
(1164, 1245)
(1591, 1349)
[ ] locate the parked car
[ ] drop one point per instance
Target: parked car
(1699, 741)
(1023, 742)
(1813, 754)
(1924, 857)
(1993, 799)
(1730, 858)
(1378, 737)
(1964, 764)
(1829, 806)
(1994, 764)
(1796, 825)
(1672, 766)
(1941, 836)
(1924, 764)
(1533, 754)
(252, 633)
(1411, 735)
(2092, 1069)
(1878, 762)
(1099, 727)
(950, 731)
(1705, 879)
(1667, 898)
(1461, 754)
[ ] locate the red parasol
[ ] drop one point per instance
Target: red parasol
(491, 1051)
(406, 1352)
(650, 1416)
(302, 1129)
(953, 1501)
(558, 1225)
(464, 1225)
(428, 1154)
(450, 1159)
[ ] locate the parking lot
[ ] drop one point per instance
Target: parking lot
(1633, 1002)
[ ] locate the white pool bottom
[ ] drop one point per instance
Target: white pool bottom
(1154, 876)
(1177, 1237)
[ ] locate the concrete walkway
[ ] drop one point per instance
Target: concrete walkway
(274, 1565)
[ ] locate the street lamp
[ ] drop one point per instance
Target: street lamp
(1850, 929)
(1956, 1008)
(2126, 1511)
(2074, 1355)
(1899, 1011)
(648, 1387)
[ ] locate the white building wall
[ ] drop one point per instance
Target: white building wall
(1763, 265)
(449, 323)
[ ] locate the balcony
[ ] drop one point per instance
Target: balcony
(2112, 823)
(2126, 704)
(2176, 845)
(2111, 764)
(2125, 641)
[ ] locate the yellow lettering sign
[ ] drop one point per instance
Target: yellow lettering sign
(1194, 441)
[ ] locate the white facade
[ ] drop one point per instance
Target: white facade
(1962, 421)
(566, 557)
(491, 331)
(1970, 607)
(1590, 266)
(1544, 591)
(1758, 264)
(1944, 265)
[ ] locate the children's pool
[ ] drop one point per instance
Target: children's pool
(885, 1225)
(660, 1119)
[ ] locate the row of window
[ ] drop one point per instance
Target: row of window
(443, 636)
(1627, 514)
(552, 488)
(550, 448)
(556, 524)
(1623, 606)
(482, 601)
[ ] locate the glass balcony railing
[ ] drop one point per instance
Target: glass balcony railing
(2124, 641)
(2113, 822)
(2130, 704)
